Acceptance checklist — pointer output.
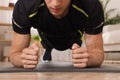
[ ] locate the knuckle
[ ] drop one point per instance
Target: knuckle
(80, 65)
(73, 51)
(84, 64)
(86, 60)
(24, 50)
(32, 66)
(75, 55)
(29, 66)
(24, 62)
(22, 55)
(25, 66)
(35, 57)
(73, 60)
(36, 62)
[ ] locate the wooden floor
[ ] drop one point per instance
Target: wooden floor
(60, 76)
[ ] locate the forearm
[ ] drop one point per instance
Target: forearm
(19, 43)
(94, 45)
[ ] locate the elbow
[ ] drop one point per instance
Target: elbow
(15, 59)
(96, 60)
(100, 61)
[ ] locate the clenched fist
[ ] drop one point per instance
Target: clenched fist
(30, 56)
(79, 56)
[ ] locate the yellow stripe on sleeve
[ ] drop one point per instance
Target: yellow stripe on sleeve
(80, 10)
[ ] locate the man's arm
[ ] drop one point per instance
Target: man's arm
(21, 54)
(94, 45)
(19, 42)
(92, 55)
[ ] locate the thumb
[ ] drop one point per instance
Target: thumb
(75, 46)
(35, 46)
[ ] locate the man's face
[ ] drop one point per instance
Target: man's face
(58, 8)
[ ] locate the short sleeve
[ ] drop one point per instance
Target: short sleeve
(95, 22)
(20, 19)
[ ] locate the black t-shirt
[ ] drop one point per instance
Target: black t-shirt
(84, 16)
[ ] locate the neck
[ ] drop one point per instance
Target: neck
(61, 16)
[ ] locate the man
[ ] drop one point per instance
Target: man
(61, 24)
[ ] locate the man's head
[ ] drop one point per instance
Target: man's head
(58, 8)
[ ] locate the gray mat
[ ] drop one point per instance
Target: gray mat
(59, 67)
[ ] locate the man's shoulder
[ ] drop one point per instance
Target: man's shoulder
(85, 2)
(30, 2)
(31, 5)
(86, 5)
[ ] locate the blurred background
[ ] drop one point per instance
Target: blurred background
(111, 31)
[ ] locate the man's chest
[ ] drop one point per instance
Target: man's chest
(46, 23)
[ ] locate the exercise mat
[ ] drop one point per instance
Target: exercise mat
(59, 67)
